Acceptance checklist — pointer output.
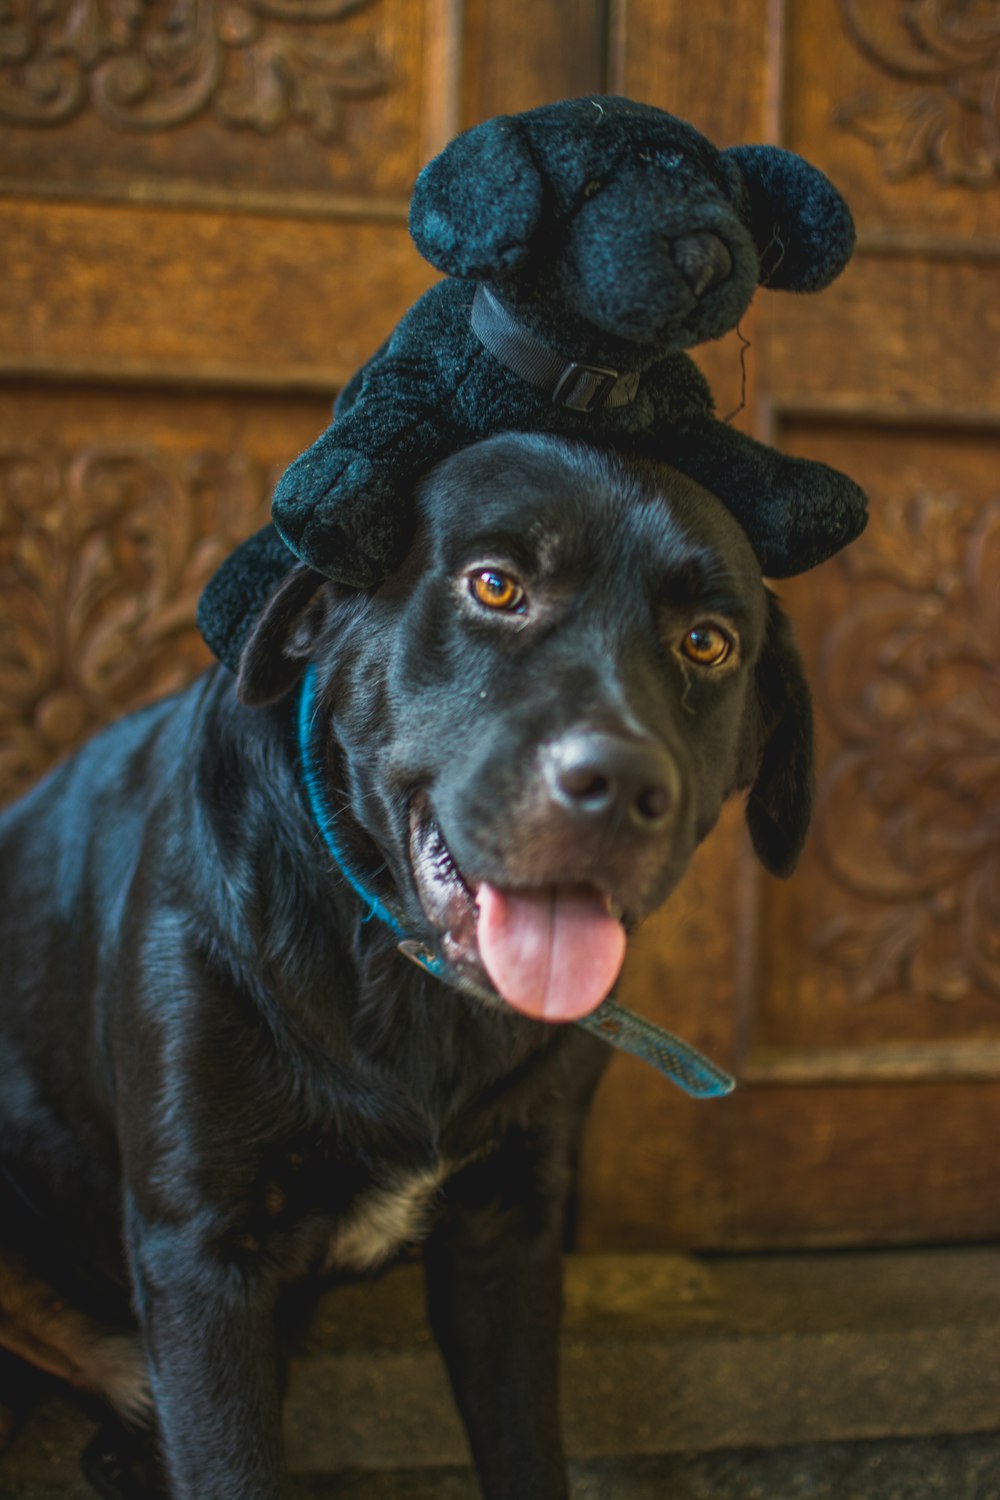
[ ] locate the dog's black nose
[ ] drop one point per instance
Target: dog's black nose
(605, 777)
(702, 260)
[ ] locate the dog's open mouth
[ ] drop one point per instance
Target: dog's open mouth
(553, 952)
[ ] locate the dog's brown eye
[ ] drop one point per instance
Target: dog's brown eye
(706, 645)
(495, 589)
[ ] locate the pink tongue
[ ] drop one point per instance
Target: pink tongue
(554, 953)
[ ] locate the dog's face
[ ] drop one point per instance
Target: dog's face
(536, 720)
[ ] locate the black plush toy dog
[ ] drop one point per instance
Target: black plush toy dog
(220, 1080)
(586, 244)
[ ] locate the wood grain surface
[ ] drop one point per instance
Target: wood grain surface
(200, 246)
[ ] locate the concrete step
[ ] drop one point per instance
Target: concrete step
(682, 1376)
(954, 1468)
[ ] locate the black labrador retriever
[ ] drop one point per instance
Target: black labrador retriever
(220, 1079)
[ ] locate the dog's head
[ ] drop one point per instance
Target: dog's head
(532, 724)
(603, 219)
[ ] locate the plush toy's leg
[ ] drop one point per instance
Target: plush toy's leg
(352, 390)
(343, 514)
(796, 512)
(344, 507)
(235, 595)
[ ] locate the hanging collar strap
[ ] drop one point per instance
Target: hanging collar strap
(677, 1060)
(574, 384)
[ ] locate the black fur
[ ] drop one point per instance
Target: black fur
(209, 1055)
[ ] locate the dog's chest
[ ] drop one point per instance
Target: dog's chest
(383, 1219)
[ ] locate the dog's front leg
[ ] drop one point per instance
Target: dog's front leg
(209, 1329)
(494, 1275)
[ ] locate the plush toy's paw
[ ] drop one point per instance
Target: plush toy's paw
(343, 515)
(806, 519)
(796, 513)
(819, 531)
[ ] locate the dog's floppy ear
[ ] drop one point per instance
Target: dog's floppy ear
(800, 224)
(279, 641)
(476, 206)
(779, 803)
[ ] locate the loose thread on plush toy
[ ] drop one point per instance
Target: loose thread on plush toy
(775, 239)
(744, 346)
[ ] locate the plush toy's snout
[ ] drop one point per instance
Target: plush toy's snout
(702, 259)
(651, 258)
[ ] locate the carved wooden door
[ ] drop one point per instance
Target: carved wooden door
(203, 216)
(859, 1004)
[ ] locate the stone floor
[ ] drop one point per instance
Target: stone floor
(854, 1376)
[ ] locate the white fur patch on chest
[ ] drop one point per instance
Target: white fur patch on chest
(383, 1220)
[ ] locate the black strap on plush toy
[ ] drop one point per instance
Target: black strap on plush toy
(575, 385)
(676, 1059)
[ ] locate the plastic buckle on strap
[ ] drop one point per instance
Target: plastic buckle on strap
(419, 954)
(584, 387)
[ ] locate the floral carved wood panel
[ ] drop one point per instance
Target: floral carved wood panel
(104, 553)
(898, 898)
(898, 101)
(909, 809)
(231, 98)
(945, 119)
(152, 66)
(105, 545)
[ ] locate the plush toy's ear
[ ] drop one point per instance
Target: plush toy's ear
(278, 644)
(801, 225)
(476, 206)
(779, 803)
